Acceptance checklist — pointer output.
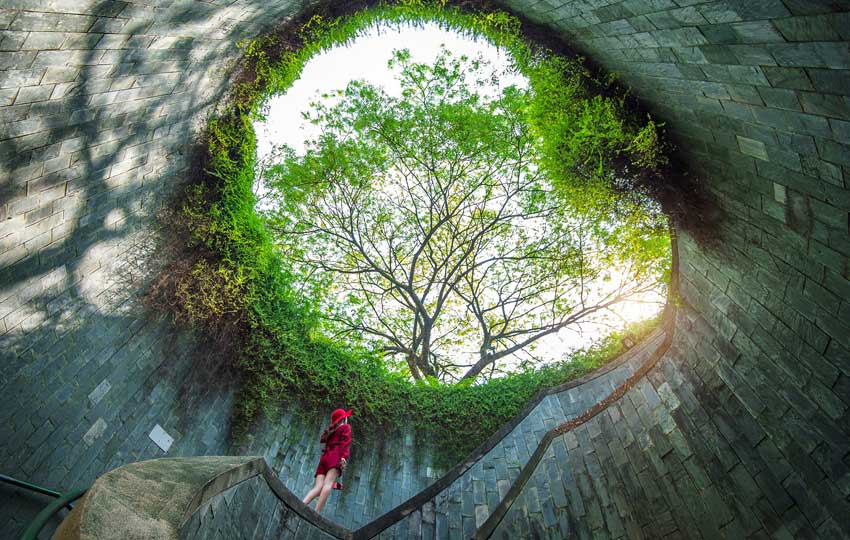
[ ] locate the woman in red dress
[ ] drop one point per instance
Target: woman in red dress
(337, 438)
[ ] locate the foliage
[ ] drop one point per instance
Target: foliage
(232, 282)
(428, 222)
(586, 136)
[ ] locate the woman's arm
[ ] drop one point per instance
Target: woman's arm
(344, 440)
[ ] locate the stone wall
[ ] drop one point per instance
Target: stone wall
(249, 511)
(756, 95)
(98, 103)
(680, 456)
(459, 508)
(382, 473)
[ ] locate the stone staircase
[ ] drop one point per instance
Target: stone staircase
(509, 487)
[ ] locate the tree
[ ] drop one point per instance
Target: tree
(429, 225)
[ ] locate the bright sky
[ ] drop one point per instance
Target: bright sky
(366, 58)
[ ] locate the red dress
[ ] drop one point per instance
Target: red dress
(336, 448)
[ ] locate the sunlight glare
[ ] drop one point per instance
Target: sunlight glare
(365, 58)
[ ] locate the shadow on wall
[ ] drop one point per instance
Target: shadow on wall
(95, 160)
(97, 137)
(85, 373)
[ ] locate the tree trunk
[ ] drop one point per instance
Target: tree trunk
(425, 353)
(414, 368)
(483, 362)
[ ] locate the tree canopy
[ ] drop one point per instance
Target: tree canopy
(431, 232)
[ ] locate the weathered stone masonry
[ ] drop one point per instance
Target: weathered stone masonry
(98, 102)
(757, 383)
(99, 105)
(251, 502)
(749, 432)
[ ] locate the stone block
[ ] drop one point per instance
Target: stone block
(800, 144)
(833, 152)
(779, 193)
(51, 22)
(44, 41)
(78, 40)
(826, 400)
(804, 499)
(829, 81)
(679, 37)
(752, 55)
(15, 113)
(676, 18)
(95, 432)
(17, 61)
(612, 12)
(742, 32)
(752, 148)
(66, 58)
(725, 12)
(736, 74)
(780, 98)
(111, 25)
(32, 94)
(826, 104)
(831, 27)
(811, 55)
(59, 75)
(812, 7)
(12, 41)
(642, 7)
(785, 77)
(799, 122)
(718, 54)
(99, 392)
(841, 133)
(641, 24)
(744, 94)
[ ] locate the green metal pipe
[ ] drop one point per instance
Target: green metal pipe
(44, 516)
(27, 485)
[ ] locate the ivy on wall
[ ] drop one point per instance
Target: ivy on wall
(227, 279)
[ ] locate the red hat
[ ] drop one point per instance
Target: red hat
(338, 415)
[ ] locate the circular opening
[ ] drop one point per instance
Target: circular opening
(404, 187)
(234, 282)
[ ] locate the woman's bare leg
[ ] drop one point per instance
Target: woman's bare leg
(333, 474)
(316, 489)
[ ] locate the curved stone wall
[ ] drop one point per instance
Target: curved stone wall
(99, 105)
(249, 510)
(193, 499)
(98, 102)
(458, 504)
(757, 384)
(679, 455)
(381, 474)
